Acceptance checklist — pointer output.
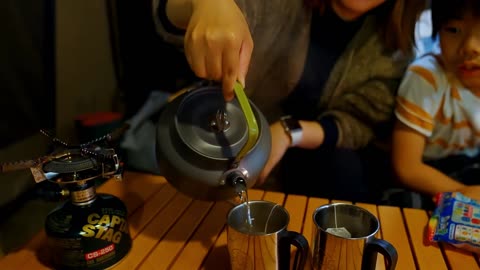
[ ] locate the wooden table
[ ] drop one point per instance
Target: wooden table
(172, 231)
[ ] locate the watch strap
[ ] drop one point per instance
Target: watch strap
(296, 136)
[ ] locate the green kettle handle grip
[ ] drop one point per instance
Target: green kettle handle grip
(251, 121)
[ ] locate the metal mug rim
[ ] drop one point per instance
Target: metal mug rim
(328, 205)
(284, 210)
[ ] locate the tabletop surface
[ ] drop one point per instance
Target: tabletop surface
(172, 231)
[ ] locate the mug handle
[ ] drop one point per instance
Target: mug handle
(288, 238)
(375, 246)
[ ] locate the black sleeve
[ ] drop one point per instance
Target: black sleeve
(330, 131)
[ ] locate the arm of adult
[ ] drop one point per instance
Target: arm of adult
(407, 149)
(218, 44)
(312, 137)
(362, 99)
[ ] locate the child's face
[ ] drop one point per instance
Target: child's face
(460, 44)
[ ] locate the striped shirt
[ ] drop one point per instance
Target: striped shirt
(445, 112)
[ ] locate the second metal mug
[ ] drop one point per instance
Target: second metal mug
(359, 251)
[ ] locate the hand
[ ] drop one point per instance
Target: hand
(218, 43)
(280, 144)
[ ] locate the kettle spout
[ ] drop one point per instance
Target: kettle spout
(237, 180)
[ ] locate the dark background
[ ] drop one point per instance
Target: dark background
(142, 62)
(27, 77)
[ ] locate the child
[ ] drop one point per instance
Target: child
(437, 133)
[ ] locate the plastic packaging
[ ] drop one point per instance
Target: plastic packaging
(456, 220)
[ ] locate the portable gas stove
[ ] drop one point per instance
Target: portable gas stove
(88, 230)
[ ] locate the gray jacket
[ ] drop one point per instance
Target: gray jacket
(360, 91)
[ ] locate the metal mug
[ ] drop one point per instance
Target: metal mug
(265, 242)
(359, 251)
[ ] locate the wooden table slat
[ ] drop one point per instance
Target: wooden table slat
(275, 197)
(427, 256)
(390, 219)
(340, 201)
(144, 214)
(204, 238)
(256, 194)
(174, 241)
(130, 191)
(22, 258)
(218, 258)
(459, 259)
(296, 206)
(148, 238)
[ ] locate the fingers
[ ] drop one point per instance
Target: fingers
(230, 69)
(235, 66)
(211, 57)
(195, 54)
(213, 66)
(244, 61)
(220, 52)
(214, 60)
(227, 87)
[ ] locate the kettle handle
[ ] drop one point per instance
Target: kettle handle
(251, 122)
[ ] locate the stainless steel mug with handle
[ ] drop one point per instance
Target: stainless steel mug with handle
(258, 238)
(357, 248)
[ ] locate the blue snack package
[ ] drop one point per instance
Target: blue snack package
(456, 220)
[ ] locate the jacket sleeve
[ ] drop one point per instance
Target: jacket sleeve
(364, 111)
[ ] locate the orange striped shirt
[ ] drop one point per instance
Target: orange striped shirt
(445, 112)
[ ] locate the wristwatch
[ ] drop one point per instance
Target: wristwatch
(292, 128)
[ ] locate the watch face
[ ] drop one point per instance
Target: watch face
(291, 124)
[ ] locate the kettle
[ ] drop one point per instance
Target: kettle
(210, 149)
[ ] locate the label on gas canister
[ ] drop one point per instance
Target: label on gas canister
(94, 239)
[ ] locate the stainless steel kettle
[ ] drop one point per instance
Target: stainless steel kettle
(210, 149)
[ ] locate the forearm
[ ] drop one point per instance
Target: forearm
(407, 158)
(428, 180)
(312, 135)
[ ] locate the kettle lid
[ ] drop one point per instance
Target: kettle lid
(210, 126)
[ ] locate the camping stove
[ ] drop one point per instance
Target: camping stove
(88, 230)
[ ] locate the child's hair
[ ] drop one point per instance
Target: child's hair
(446, 10)
(396, 20)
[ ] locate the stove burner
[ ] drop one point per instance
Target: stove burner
(88, 230)
(71, 164)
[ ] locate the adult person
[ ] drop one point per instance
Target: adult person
(435, 139)
(333, 66)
